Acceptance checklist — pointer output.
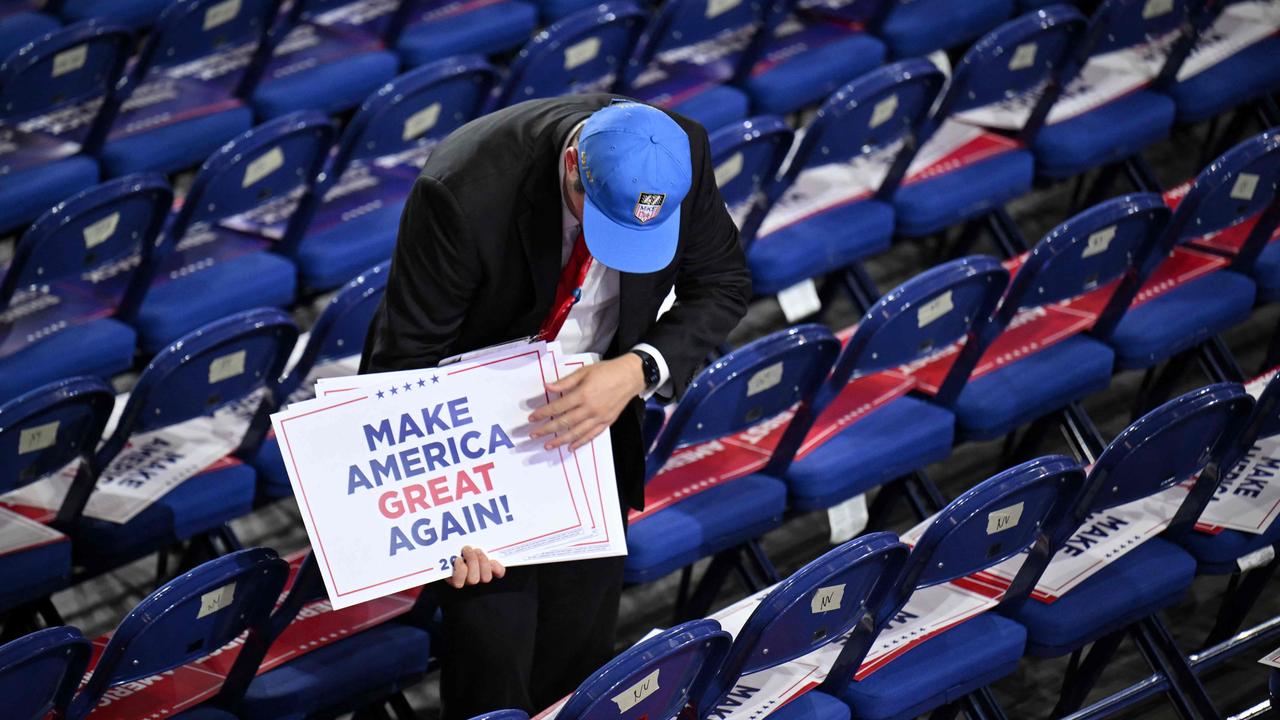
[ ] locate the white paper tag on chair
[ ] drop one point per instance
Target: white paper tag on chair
(847, 519)
(1256, 559)
(799, 301)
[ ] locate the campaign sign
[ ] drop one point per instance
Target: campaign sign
(1238, 26)
(953, 146)
(679, 73)
(20, 150)
(19, 533)
(823, 188)
(1273, 659)
(1248, 498)
(394, 481)
(1111, 75)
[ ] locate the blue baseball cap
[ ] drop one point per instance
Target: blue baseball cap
(635, 168)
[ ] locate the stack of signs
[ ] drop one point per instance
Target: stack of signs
(1248, 499)
(396, 472)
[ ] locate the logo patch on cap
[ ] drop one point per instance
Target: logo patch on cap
(648, 206)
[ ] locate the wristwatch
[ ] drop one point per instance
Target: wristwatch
(651, 373)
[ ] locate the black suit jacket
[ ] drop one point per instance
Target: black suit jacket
(478, 258)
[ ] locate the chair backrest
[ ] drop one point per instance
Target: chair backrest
(1119, 24)
(48, 427)
(842, 591)
(340, 330)
(1242, 183)
(189, 30)
(53, 83)
(861, 14)
(39, 672)
(188, 618)
(746, 156)
(710, 36)
(96, 239)
(584, 52)
(750, 384)
(503, 715)
(1095, 247)
(869, 125)
(203, 371)
(656, 678)
(269, 163)
(415, 111)
(1012, 62)
(1191, 436)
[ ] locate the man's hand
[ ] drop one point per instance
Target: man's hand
(592, 398)
(473, 567)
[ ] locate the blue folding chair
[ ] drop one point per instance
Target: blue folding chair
(582, 53)
(919, 27)
(189, 618)
(810, 49)
(54, 94)
(899, 438)
(831, 206)
(69, 275)
(249, 350)
(952, 668)
(443, 28)
(1236, 186)
(335, 53)
(1124, 125)
(21, 22)
(844, 591)
(1189, 437)
(689, 53)
(725, 520)
(1101, 245)
(1006, 66)
(657, 678)
(40, 433)
(205, 269)
(361, 194)
(186, 95)
(747, 156)
(503, 715)
(363, 670)
(1220, 553)
(1248, 74)
(136, 14)
(1257, 258)
(338, 333)
(40, 671)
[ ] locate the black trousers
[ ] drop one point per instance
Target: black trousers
(529, 639)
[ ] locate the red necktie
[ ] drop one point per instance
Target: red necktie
(568, 290)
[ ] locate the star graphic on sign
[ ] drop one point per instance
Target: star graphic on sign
(407, 387)
(435, 378)
(379, 394)
(422, 383)
(393, 389)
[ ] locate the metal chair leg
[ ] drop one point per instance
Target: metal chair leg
(1076, 686)
(1185, 689)
(1239, 600)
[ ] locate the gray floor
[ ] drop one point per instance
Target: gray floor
(98, 605)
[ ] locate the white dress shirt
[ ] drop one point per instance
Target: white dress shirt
(593, 320)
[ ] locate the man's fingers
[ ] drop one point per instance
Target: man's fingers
(486, 572)
(497, 569)
(569, 381)
(459, 577)
(583, 427)
(473, 565)
(588, 436)
(558, 406)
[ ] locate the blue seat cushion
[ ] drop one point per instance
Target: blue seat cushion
(485, 30)
(1266, 273)
(1150, 577)
(368, 665)
(273, 479)
(1117, 130)
(100, 348)
(918, 27)
(819, 244)
(201, 503)
(180, 305)
(332, 256)
(26, 194)
(34, 573)
(891, 441)
(1217, 554)
(552, 10)
(812, 75)
(942, 669)
(134, 13)
(1244, 76)
(331, 87)
(177, 146)
(1038, 384)
(931, 205)
(715, 519)
(20, 29)
(715, 107)
(813, 705)
(1181, 319)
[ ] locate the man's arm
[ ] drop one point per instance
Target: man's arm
(435, 271)
(712, 284)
